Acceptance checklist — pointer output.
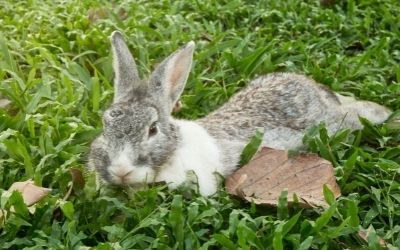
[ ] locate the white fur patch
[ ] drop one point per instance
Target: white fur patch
(197, 152)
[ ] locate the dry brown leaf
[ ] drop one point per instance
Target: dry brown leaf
(177, 107)
(3, 213)
(77, 177)
(30, 192)
(78, 182)
(4, 103)
(327, 3)
(271, 171)
(95, 14)
(364, 233)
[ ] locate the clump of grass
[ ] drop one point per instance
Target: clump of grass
(55, 68)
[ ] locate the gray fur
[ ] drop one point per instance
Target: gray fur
(126, 74)
(284, 105)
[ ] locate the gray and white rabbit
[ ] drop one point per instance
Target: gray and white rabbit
(142, 143)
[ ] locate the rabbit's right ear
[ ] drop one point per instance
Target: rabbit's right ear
(126, 74)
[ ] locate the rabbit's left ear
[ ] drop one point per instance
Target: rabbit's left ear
(170, 76)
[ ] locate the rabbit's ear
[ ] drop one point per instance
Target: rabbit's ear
(170, 76)
(126, 74)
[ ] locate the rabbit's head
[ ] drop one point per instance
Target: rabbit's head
(138, 135)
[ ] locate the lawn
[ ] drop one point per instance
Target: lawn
(55, 72)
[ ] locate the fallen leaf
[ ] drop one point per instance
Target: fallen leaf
(271, 171)
(30, 192)
(95, 14)
(327, 3)
(77, 177)
(206, 36)
(122, 13)
(365, 234)
(3, 213)
(77, 182)
(177, 107)
(4, 103)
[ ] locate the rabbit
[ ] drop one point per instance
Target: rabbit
(142, 143)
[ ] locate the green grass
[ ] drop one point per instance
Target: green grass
(55, 67)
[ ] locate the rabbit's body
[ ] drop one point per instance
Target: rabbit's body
(290, 102)
(284, 106)
(142, 143)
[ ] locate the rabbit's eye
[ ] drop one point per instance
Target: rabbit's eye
(153, 129)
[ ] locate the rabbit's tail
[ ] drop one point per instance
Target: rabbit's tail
(353, 109)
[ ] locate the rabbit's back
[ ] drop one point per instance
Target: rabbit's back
(280, 100)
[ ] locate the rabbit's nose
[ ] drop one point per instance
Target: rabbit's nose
(121, 173)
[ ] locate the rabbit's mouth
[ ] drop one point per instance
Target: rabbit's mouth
(127, 176)
(121, 175)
